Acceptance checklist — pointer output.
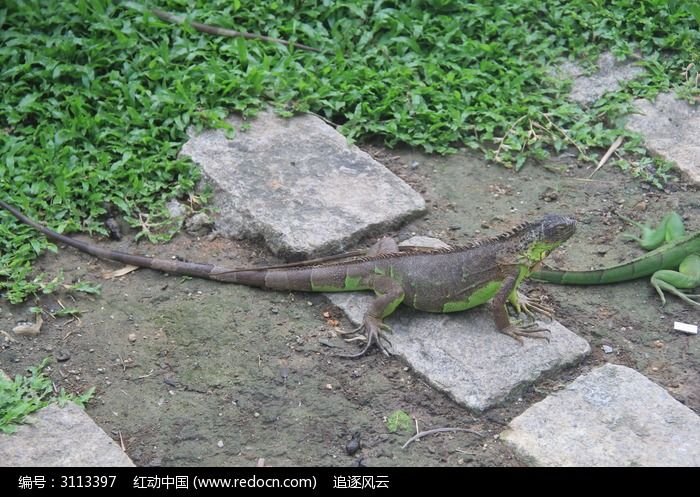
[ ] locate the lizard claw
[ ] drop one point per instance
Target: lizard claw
(351, 332)
(374, 328)
(661, 285)
(529, 331)
(531, 305)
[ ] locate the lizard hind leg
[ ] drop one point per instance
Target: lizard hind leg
(672, 282)
(390, 294)
(686, 278)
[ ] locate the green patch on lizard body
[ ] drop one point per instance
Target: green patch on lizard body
(481, 296)
(350, 284)
(353, 283)
(391, 307)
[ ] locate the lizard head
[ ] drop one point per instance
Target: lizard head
(543, 236)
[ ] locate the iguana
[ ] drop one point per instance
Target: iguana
(671, 248)
(436, 280)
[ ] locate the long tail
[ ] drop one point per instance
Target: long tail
(667, 256)
(281, 277)
(198, 270)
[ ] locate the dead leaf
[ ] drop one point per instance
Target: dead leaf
(119, 272)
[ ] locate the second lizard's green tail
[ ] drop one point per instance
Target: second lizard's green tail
(668, 256)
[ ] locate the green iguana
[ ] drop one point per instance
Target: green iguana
(671, 248)
(434, 280)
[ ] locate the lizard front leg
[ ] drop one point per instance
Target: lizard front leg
(500, 316)
(528, 305)
(670, 228)
(390, 294)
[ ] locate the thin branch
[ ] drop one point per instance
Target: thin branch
(216, 30)
(422, 434)
(503, 140)
(565, 134)
(121, 441)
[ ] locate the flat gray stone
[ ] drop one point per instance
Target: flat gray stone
(671, 130)
(55, 436)
(298, 185)
(463, 354)
(612, 416)
(586, 89)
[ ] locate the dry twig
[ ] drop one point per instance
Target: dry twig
(615, 145)
(216, 30)
(422, 434)
(503, 140)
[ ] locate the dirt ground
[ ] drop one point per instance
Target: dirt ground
(221, 375)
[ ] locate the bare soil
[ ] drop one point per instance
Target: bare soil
(192, 372)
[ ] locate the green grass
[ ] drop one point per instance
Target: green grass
(26, 394)
(96, 96)
(399, 421)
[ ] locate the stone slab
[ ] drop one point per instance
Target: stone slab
(463, 354)
(671, 130)
(612, 416)
(298, 185)
(586, 89)
(55, 436)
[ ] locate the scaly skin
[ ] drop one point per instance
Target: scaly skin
(442, 280)
(673, 249)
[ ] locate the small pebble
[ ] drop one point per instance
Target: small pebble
(62, 355)
(354, 444)
(132, 337)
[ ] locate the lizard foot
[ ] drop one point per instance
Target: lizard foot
(351, 332)
(531, 305)
(529, 331)
(373, 328)
(660, 282)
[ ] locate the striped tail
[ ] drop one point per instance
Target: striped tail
(668, 256)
